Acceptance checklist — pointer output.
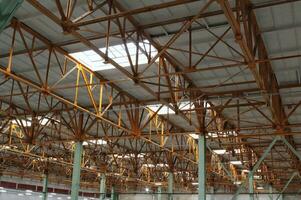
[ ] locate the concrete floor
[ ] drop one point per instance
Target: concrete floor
(23, 195)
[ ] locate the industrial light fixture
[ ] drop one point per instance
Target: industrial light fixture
(148, 165)
(97, 142)
(152, 165)
(194, 183)
(237, 182)
(194, 136)
(236, 162)
(162, 165)
(213, 135)
(219, 151)
(140, 155)
(260, 188)
(146, 189)
(257, 177)
(237, 151)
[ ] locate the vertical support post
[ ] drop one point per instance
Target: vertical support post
(270, 192)
(102, 187)
(159, 193)
(77, 159)
(170, 186)
(45, 186)
(212, 193)
(251, 185)
(202, 167)
(113, 193)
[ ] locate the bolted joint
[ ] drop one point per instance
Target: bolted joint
(136, 79)
(238, 37)
(68, 27)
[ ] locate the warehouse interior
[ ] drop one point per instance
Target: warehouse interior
(150, 99)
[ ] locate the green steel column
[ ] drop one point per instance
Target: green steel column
(251, 186)
(202, 167)
(212, 197)
(7, 11)
(77, 159)
(270, 192)
(113, 193)
(45, 186)
(170, 186)
(159, 193)
(102, 188)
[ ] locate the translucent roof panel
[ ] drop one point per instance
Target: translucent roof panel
(118, 53)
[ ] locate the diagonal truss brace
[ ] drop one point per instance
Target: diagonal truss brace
(287, 183)
(258, 163)
(277, 138)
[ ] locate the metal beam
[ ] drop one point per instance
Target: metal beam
(45, 186)
(76, 170)
(102, 187)
(238, 191)
(258, 163)
(264, 155)
(113, 193)
(251, 173)
(134, 12)
(251, 186)
(170, 186)
(159, 193)
(202, 167)
(270, 192)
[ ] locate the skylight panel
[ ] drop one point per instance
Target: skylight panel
(194, 136)
(97, 142)
(27, 122)
(236, 162)
(163, 111)
(219, 151)
(21, 122)
(149, 165)
(117, 52)
(186, 105)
